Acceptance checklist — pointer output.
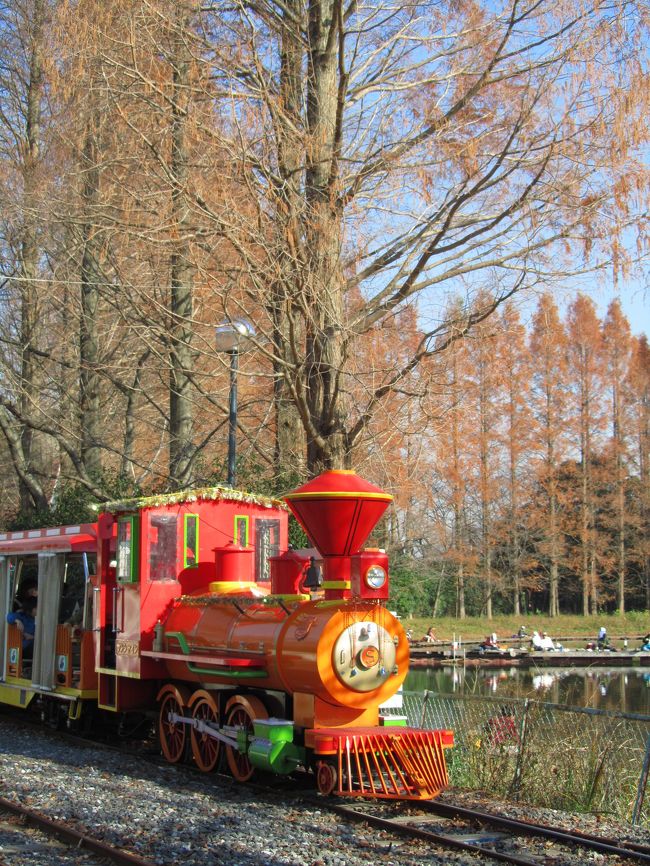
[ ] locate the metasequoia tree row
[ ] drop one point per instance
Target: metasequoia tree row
(536, 487)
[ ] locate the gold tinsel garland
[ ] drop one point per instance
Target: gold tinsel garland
(214, 600)
(183, 496)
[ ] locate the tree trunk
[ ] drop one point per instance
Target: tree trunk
(620, 494)
(460, 582)
(29, 328)
(327, 445)
(553, 529)
(595, 600)
(181, 447)
(458, 530)
(515, 568)
(584, 548)
(554, 581)
(288, 333)
(484, 448)
(585, 503)
(89, 402)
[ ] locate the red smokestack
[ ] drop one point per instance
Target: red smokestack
(338, 510)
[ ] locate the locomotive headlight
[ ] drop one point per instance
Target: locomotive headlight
(364, 656)
(375, 577)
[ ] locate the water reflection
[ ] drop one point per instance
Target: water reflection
(622, 689)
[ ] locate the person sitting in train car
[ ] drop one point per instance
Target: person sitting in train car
(26, 621)
(27, 593)
(430, 636)
(645, 645)
(72, 597)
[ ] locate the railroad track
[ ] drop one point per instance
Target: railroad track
(480, 834)
(491, 835)
(15, 821)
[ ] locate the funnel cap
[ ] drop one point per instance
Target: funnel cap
(338, 510)
(339, 483)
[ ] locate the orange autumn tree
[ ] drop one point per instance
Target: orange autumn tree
(587, 422)
(617, 347)
(639, 413)
(516, 439)
(321, 169)
(161, 272)
(549, 403)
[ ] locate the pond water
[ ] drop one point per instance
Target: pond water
(620, 689)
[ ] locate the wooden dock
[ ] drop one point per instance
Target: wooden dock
(436, 655)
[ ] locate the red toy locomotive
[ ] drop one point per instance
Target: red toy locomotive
(192, 607)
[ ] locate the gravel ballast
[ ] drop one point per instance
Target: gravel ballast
(169, 816)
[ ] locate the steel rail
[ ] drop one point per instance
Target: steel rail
(74, 837)
(429, 836)
(585, 840)
(641, 853)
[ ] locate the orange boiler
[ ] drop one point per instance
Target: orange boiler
(349, 655)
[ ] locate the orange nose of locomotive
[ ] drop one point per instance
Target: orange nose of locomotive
(347, 657)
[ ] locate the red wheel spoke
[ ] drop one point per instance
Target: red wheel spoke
(205, 748)
(171, 733)
(241, 715)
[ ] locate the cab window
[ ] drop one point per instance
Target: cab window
(241, 530)
(127, 541)
(162, 546)
(191, 541)
(267, 544)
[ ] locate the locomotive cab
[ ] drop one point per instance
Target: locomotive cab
(170, 547)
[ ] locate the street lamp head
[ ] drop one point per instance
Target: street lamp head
(234, 335)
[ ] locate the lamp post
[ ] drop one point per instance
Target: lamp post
(232, 337)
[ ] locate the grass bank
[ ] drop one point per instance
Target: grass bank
(630, 625)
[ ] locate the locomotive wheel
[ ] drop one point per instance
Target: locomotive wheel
(172, 734)
(326, 777)
(241, 712)
(205, 749)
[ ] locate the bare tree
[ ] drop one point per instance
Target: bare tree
(22, 81)
(432, 149)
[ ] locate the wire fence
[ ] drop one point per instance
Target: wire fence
(543, 754)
